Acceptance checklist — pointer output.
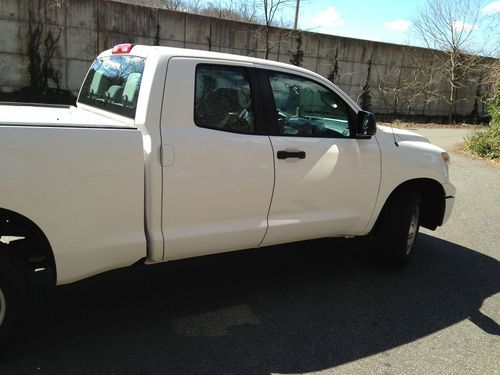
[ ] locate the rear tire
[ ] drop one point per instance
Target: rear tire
(13, 298)
(398, 227)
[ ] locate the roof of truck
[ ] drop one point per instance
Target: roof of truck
(148, 51)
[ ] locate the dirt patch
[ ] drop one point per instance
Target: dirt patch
(410, 125)
(493, 162)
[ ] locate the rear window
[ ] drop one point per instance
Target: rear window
(113, 84)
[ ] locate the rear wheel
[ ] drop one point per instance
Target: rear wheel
(398, 227)
(13, 298)
(3, 306)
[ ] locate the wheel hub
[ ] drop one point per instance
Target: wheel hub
(412, 231)
(3, 306)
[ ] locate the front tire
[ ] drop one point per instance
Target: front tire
(398, 227)
(13, 298)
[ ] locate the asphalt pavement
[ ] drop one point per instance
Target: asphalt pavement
(321, 306)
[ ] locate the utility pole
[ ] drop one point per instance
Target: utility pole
(296, 15)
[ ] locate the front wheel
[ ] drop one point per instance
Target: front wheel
(398, 227)
(13, 298)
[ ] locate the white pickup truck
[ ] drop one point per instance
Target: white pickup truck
(175, 153)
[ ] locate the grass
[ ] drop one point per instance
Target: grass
(486, 143)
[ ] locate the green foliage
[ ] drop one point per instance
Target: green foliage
(493, 106)
(486, 143)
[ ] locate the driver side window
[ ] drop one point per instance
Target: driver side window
(307, 109)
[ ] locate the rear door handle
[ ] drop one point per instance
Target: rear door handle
(291, 154)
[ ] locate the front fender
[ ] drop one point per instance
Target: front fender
(406, 161)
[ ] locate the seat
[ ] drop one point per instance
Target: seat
(131, 89)
(114, 94)
(221, 109)
(99, 85)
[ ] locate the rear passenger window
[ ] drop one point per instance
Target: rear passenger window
(223, 99)
(113, 84)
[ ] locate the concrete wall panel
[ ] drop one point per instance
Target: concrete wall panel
(12, 76)
(127, 19)
(309, 63)
(82, 14)
(310, 44)
(12, 38)
(172, 43)
(202, 47)
(197, 29)
(171, 25)
(77, 70)
(324, 67)
(327, 47)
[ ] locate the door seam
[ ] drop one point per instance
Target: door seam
(272, 193)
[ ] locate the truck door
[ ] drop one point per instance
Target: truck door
(326, 181)
(218, 167)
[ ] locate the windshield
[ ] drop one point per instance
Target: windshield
(113, 84)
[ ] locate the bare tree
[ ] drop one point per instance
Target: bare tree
(271, 9)
(236, 10)
(401, 88)
(448, 27)
(171, 4)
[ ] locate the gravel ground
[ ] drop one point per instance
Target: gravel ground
(312, 307)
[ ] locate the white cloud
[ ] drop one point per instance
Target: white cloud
(464, 26)
(325, 20)
(398, 25)
(492, 8)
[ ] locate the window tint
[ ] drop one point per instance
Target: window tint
(307, 109)
(223, 99)
(113, 84)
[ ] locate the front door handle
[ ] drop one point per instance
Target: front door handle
(291, 154)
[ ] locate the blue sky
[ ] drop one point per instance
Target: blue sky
(382, 20)
(387, 21)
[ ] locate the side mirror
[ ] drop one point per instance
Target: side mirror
(366, 125)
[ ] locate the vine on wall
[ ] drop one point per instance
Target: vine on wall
(297, 56)
(42, 46)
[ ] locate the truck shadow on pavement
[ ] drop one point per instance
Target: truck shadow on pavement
(288, 309)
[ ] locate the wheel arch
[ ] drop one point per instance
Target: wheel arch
(433, 203)
(33, 249)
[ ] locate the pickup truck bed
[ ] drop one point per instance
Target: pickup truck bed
(65, 170)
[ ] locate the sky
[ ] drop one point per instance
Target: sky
(387, 21)
(379, 20)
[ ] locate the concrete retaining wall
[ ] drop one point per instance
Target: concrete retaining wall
(87, 27)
